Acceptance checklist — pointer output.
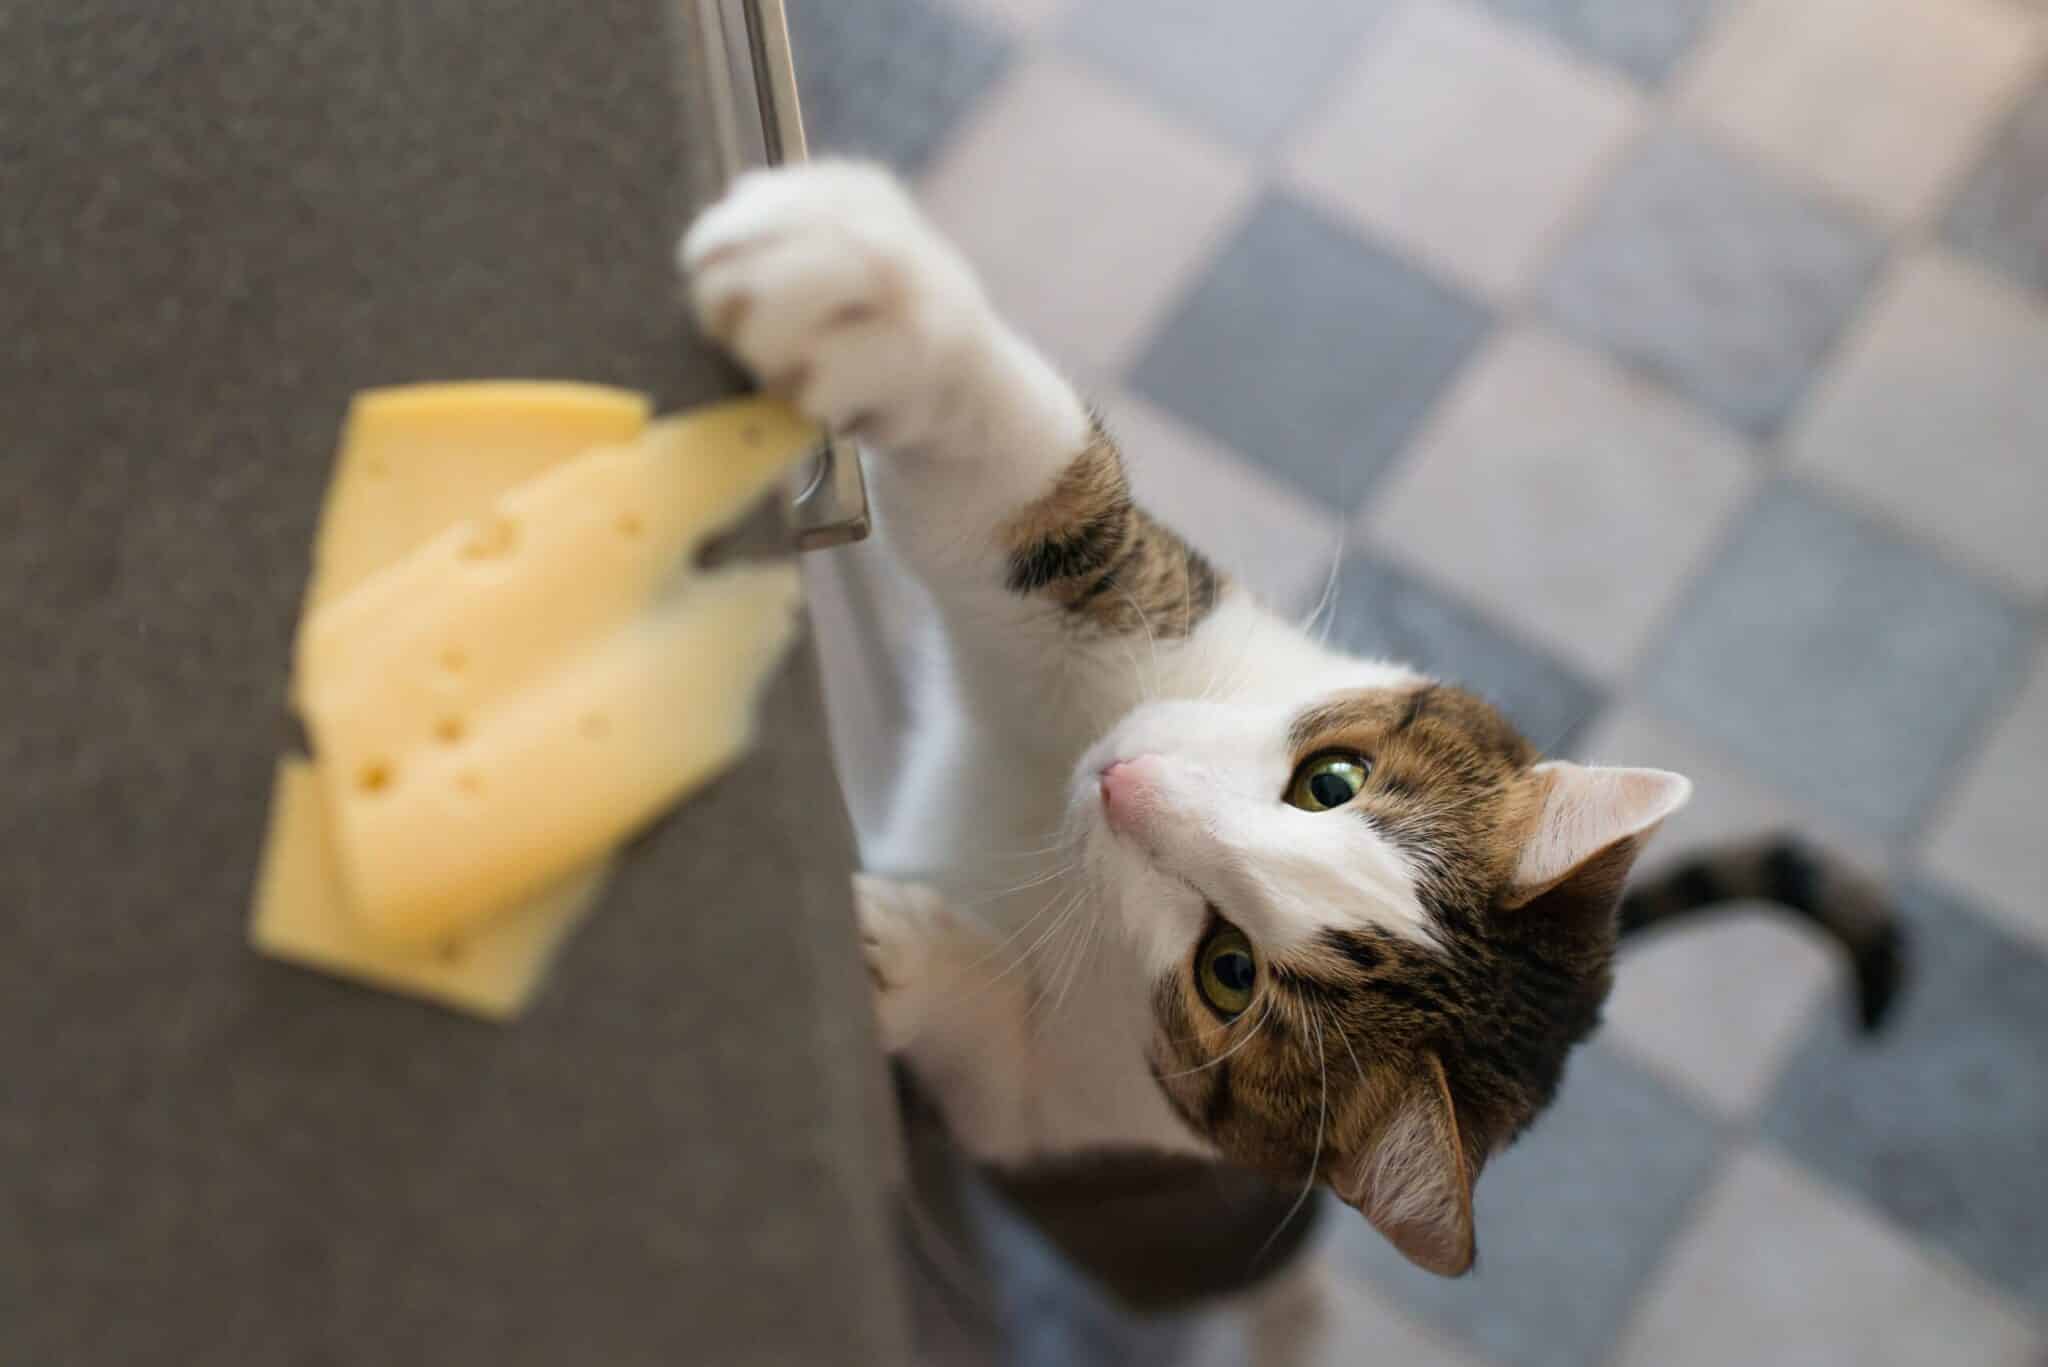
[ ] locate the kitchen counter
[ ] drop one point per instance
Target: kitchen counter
(220, 221)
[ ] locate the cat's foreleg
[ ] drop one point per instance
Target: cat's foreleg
(992, 481)
(949, 1007)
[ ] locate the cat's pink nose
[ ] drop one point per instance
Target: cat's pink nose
(1125, 793)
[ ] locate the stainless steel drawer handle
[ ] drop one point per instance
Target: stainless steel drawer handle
(756, 121)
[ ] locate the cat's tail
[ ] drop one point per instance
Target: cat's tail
(1843, 904)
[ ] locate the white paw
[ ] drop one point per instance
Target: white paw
(829, 285)
(902, 930)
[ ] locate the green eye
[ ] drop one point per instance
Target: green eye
(1225, 970)
(1327, 780)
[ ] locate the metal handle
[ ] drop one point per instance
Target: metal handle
(756, 120)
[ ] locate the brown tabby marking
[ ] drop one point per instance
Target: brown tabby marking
(1342, 1029)
(1105, 561)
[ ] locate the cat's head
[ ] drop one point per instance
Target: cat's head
(1372, 924)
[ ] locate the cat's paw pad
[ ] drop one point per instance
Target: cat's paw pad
(901, 925)
(828, 284)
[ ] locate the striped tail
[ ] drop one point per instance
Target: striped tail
(1841, 903)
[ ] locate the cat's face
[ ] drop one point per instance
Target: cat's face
(1370, 926)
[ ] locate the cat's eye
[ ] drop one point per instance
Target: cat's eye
(1327, 780)
(1225, 971)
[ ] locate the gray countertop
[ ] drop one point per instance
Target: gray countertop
(216, 223)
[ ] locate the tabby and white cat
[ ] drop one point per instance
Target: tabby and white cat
(1166, 873)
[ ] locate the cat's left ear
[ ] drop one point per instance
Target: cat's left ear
(1594, 823)
(1414, 1182)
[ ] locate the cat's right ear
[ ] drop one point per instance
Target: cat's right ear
(1414, 1181)
(1593, 824)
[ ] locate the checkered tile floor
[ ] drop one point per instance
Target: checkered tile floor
(1676, 371)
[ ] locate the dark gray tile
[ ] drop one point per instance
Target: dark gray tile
(1645, 38)
(1571, 1221)
(1052, 1316)
(1942, 1122)
(1384, 611)
(1245, 73)
(1847, 667)
(1720, 280)
(2001, 216)
(888, 78)
(1310, 350)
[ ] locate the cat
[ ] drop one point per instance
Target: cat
(1167, 874)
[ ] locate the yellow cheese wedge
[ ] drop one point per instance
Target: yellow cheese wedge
(417, 458)
(534, 684)
(300, 917)
(414, 460)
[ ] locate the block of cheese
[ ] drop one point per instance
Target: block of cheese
(300, 917)
(535, 683)
(415, 459)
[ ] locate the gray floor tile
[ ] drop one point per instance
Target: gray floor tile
(1848, 668)
(1645, 38)
(889, 78)
(1384, 611)
(1242, 72)
(1941, 1123)
(1570, 1221)
(1309, 350)
(2001, 216)
(1714, 276)
(1053, 1316)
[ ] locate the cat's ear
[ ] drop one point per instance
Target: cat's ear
(1593, 824)
(1414, 1182)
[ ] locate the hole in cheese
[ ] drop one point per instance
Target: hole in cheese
(375, 777)
(449, 730)
(454, 660)
(629, 525)
(494, 540)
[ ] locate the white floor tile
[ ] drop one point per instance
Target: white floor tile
(1565, 495)
(1991, 838)
(1024, 18)
(1085, 211)
(1466, 140)
(1363, 1329)
(1883, 101)
(1717, 1006)
(1937, 413)
(1281, 544)
(1779, 1269)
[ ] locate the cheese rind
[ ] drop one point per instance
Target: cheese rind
(534, 684)
(300, 917)
(415, 459)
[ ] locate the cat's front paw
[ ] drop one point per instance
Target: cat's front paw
(904, 937)
(830, 286)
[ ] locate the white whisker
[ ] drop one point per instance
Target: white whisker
(1315, 1161)
(1257, 1026)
